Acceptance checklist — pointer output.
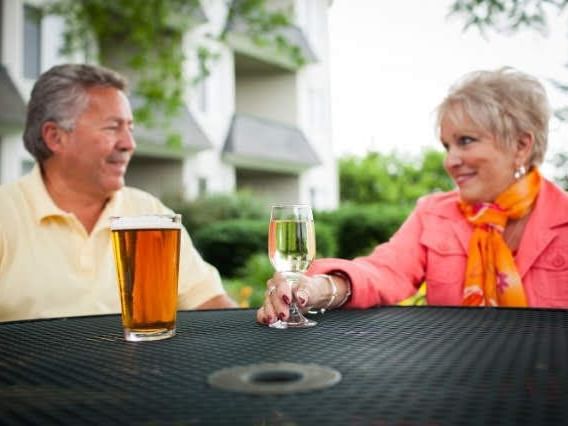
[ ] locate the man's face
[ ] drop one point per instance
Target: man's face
(95, 154)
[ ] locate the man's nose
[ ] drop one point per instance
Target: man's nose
(127, 142)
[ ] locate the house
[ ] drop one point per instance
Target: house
(258, 122)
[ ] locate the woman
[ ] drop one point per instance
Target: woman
(499, 239)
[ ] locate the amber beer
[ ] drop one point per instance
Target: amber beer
(146, 252)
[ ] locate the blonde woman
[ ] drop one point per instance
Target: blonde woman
(499, 239)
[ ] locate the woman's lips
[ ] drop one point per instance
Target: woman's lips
(463, 178)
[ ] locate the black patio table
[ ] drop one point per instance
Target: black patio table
(399, 366)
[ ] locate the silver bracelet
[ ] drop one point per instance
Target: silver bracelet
(347, 283)
(333, 290)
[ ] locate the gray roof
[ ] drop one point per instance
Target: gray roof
(12, 106)
(291, 33)
(268, 144)
(183, 124)
(296, 37)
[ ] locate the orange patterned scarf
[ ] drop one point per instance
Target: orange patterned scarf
(491, 277)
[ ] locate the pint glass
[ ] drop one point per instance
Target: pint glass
(146, 253)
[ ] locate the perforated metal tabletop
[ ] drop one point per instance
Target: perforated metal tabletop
(399, 366)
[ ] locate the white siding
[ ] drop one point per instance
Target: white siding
(298, 98)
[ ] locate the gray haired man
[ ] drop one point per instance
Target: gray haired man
(55, 247)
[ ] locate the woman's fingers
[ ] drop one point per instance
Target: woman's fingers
(276, 300)
(302, 292)
(280, 297)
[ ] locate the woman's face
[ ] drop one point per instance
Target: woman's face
(479, 167)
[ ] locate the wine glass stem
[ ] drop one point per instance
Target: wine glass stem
(294, 311)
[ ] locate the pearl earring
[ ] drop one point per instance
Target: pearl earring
(520, 172)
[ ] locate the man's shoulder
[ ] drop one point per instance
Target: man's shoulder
(12, 194)
(137, 194)
(11, 189)
(137, 201)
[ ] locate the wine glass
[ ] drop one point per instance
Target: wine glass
(291, 249)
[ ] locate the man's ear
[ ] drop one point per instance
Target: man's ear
(52, 135)
(524, 148)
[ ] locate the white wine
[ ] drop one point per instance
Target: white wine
(291, 249)
(291, 244)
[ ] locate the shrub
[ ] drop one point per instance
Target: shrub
(358, 228)
(249, 287)
(228, 244)
(215, 208)
(326, 245)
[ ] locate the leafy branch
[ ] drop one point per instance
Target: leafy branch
(506, 16)
(145, 36)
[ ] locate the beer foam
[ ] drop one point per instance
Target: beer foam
(143, 222)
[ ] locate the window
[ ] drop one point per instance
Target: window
(1, 31)
(313, 197)
(201, 186)
(26, 167)
(315, 109)
(202, 96)
(32, 42)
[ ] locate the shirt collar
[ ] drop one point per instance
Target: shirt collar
(112, 208)
(40, 200)
(44, 207)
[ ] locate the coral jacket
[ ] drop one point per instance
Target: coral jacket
(432, 245)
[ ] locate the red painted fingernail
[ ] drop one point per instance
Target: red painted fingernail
(302, 301)
(281, 316)
(286, 299)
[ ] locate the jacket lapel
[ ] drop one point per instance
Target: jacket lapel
(448, 208)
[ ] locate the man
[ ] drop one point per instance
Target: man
(55, 249)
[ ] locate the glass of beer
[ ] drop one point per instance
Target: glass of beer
(146, 252)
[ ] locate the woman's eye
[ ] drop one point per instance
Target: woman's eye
(465, 140)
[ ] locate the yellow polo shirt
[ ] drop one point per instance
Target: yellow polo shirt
(51, 267)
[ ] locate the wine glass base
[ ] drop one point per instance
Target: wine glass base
(306, 323)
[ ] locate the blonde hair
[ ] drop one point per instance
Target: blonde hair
(505, 103)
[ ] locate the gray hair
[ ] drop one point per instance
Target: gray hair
(60, 95)
(506, 103)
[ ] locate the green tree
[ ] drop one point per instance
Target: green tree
(146, 36)
(507, 16)
(391, 178)
(560, 161)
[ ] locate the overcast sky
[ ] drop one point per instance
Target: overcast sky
(393, 61)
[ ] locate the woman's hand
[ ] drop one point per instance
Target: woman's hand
(309, 292)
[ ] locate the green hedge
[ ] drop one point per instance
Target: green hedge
(229, 229)
(358, 228)
(212, 209)
(228, 244)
